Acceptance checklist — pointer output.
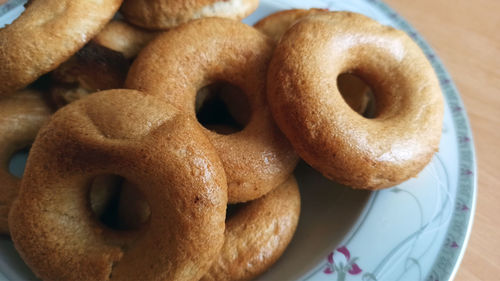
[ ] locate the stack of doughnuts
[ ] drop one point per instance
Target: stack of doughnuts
(127, 181)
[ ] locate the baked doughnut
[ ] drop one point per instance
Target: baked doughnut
(344, 146)
(21, 116)
(124, 38)
(257, 234)
(150, 144)
(353, 90)
(47, 34)
(165, 14)
(91, 69)
(102, 64)
(256, 159)
(276, 24)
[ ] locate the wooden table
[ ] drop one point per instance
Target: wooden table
(466, 36)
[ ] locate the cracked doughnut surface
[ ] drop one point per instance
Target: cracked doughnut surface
(152, 145)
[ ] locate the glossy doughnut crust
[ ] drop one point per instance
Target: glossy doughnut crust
(354, 91)
(93, 68)
(256, 159)
(45, 35)
(164, 14)
(150, 144)
(124, 38)
(258, 234)
(363, 153)
(21, 116)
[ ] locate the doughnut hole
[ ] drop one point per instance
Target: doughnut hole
(17, 162)
(222, 107)
(233, 209)
(357, 94)
(133, 210)
(106, 195)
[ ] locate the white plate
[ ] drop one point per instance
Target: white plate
(417, 230)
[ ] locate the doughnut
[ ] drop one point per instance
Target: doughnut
(21, 116)
(47, 34)
(150, 144)
(344, 146)
(165, 14)
(92, 68)
(124, 38)
(354, 91)
(257, 234)
(276, 24)
(257, 158)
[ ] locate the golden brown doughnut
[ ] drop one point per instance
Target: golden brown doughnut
(165, 14)
(124, 38)
(257, 234)
(102, 64)
(147, 142)
(47, 34)
(256, 159)
(235, 103)
(276, 24)
(91, 69)
(354, 91)
(346, 147)
(21, 116)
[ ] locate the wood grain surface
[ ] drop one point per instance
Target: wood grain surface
(466, 36)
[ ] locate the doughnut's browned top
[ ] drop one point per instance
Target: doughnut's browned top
(45, 35)
(176, 64)
(21, 116)
(344, 146)
(150, 144)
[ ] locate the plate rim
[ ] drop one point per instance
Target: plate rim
(467, 162)
(452, 250)
(448, 260)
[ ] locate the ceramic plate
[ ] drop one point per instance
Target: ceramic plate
(417, 230)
